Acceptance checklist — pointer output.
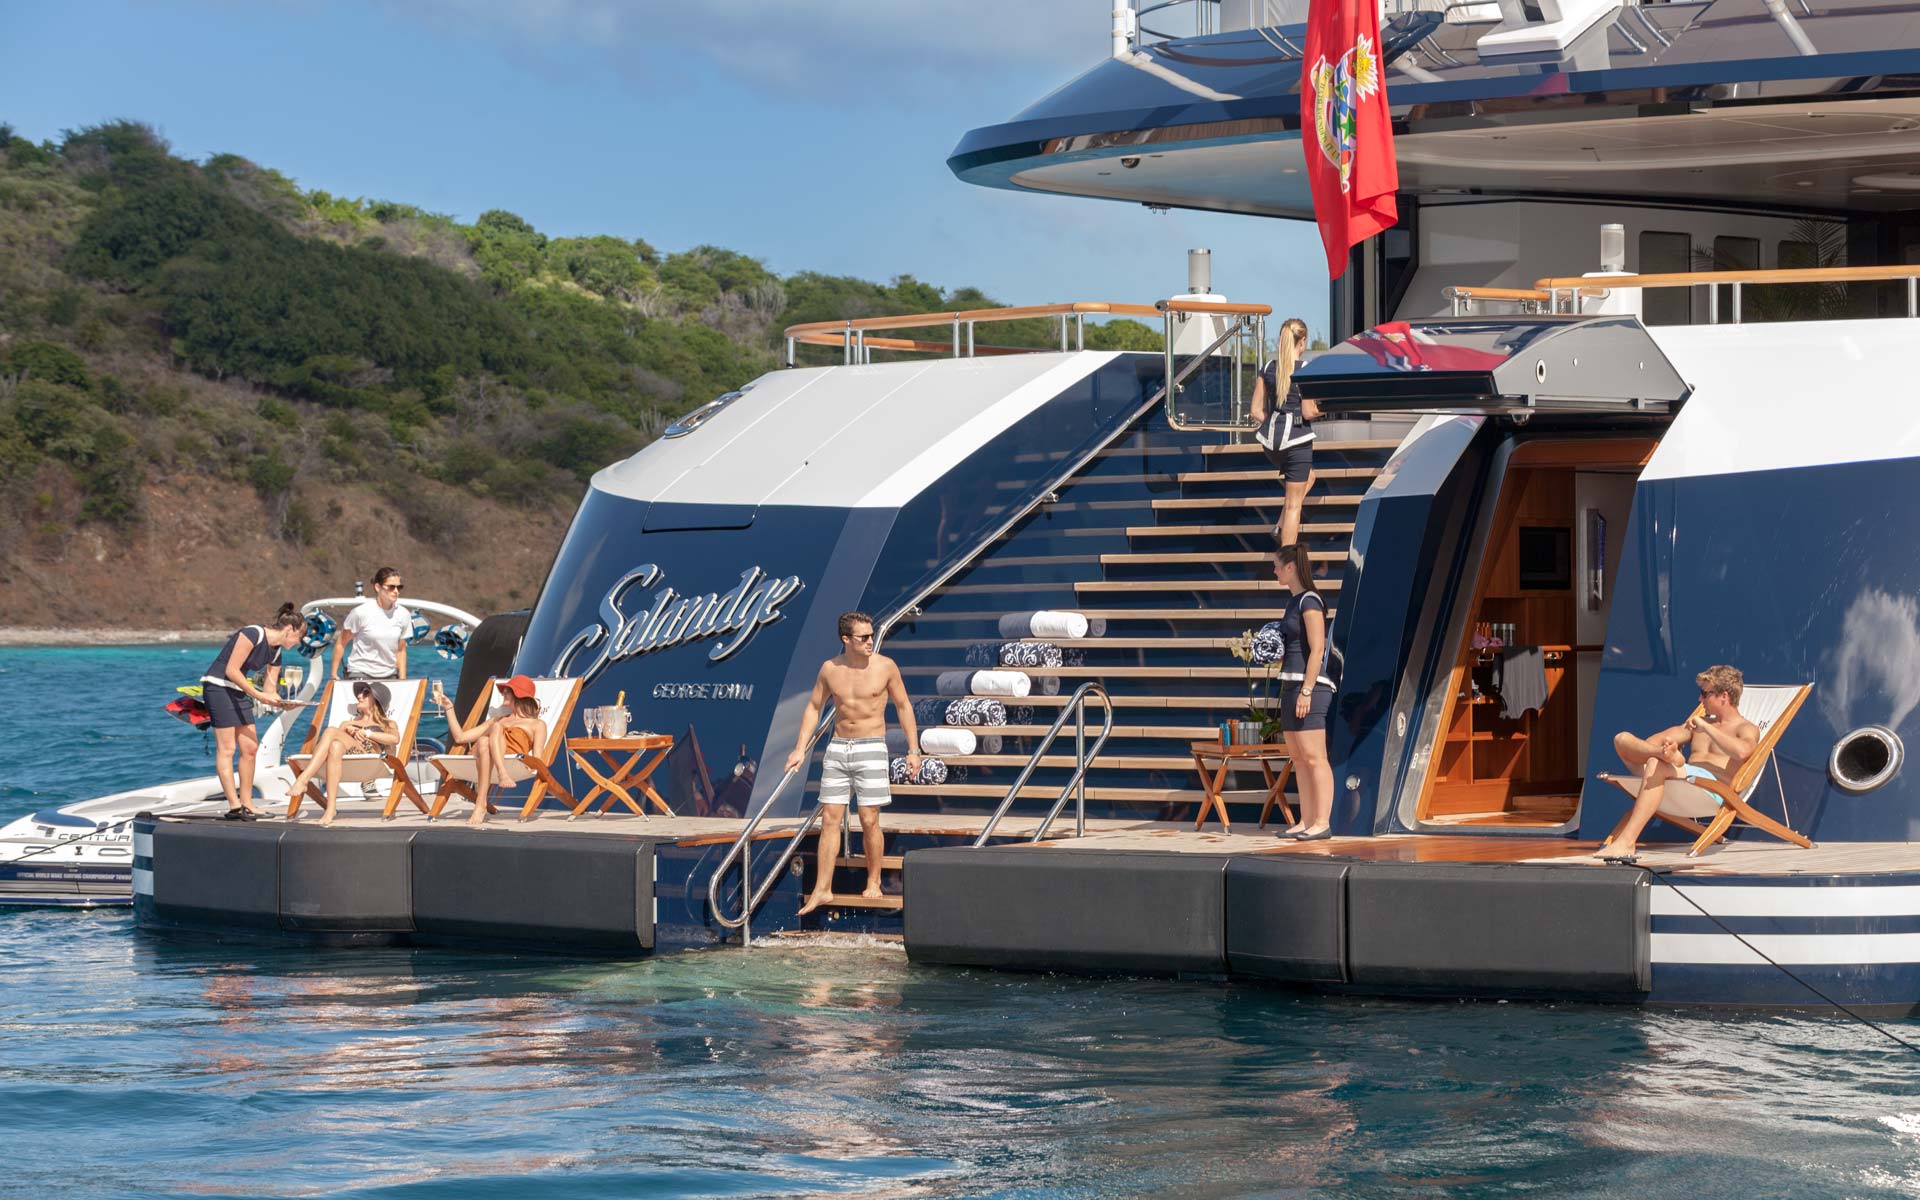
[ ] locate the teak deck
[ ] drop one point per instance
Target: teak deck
(1748, 856)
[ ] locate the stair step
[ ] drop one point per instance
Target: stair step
(888, 862)
(1129, 614)
(1172, 733)
(1044, 792)
(1110, 762)
(1202, 556)
(1117, 643)
(1232, 671)
(1313, 500)
(884, 903)
(1249, 529)
(1235, 704)
(1236, 448)
(1267, 476)
(1192, 585)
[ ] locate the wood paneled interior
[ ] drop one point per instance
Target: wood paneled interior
(1487, 766)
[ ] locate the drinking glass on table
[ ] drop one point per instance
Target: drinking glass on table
(592, 718)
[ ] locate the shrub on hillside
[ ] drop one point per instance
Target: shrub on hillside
(48, 363)
(62, 423)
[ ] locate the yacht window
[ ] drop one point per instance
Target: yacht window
(1660, 254)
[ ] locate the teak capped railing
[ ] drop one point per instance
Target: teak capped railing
(1562, 294)
(853, 334)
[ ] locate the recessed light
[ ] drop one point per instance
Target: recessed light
(1894, 181)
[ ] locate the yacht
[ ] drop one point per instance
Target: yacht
(1619, 398)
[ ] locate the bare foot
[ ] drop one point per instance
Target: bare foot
(326, 818)
(815, 901)
(872, 890)
(478, 818)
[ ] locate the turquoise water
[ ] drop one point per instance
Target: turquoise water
(136, 1065)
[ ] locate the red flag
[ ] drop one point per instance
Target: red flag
(1345, 127)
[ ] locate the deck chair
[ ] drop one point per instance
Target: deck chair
(336, 707)
(1687, 802)
(459, 773)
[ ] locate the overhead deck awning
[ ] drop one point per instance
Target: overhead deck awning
(1495, 365)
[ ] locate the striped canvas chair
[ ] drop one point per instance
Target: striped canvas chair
(459, 773)
(336, 707)
(1688, 802)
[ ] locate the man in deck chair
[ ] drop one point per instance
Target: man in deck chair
(1719, 741)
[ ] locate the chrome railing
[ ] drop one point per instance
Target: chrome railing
(1568, 295)
(1076, 785)
(1239, 325)
(739, 851)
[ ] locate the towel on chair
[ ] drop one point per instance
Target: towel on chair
(1054, 626)
(996, 683)
(946, 739)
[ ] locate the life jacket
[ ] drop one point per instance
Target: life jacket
(192, 710)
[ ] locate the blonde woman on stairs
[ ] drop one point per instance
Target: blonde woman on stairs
(1286, 426)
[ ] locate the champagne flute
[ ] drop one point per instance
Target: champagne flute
(290, 678)
(591, 717)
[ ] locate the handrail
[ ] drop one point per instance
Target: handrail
(850, 334)
(910, 607)
(1076, 706)
(1559, 293)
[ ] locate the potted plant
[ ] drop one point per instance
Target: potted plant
(1259, 653)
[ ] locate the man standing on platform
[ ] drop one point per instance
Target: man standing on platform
(855, 764)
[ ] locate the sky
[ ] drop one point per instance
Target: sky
(812, 135)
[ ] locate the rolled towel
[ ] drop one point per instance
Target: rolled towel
(955, 683)
(975, 710)
(989, 743)
(948, 739)
(1019, 714)
(996, 683)
(932, 771)
(983, 654)
(896, 740)
(1046, 685)
(1269, 645)
(1049, 624)
(1096, 627)
(930, 711)
(1029, 654)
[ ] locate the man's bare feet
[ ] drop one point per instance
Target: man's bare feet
(815, 901)
(872, 890)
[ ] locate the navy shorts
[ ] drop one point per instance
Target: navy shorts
(229, 709)
(1295, 463)
(1317, 708)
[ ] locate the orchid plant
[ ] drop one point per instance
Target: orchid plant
(1259, 671)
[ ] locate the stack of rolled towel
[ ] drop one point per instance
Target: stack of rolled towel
(932, 771)
(983, 683)
(1052, 625)
(957, 741)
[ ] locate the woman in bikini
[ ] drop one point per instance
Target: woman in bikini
(369, 731)
(498, 740)
(1286, 426)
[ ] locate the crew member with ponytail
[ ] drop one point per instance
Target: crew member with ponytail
(229, 695)
(1286, 426)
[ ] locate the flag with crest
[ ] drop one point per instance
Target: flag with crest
(1345, 127)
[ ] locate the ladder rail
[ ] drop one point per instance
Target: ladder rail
(1076, 706)
(754, 897)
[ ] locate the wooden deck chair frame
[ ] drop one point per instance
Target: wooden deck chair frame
(540, 762)
(395, 760)
(1733, 804)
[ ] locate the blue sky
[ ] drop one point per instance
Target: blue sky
(811, 135)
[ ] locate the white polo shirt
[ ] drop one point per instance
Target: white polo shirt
(377, 637)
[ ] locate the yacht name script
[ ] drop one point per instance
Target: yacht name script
(733, 616)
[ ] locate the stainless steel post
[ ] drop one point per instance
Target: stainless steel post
(1080, 758)
(1079, 331)
(969, 339)
(956, 336)
(1239, 344)
(1063, 331)
(746, 891)
(1166, 322)
(846, 345)
(790, 361)
(1913, 295)
(1736, 303)
(1713, 304)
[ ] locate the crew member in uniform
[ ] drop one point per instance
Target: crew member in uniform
(373, 637)
(1286, 429)
(230, 694)
(1306, 691)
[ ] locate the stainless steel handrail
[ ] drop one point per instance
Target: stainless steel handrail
(912, 608)
(1238, 325)
(1076, 707)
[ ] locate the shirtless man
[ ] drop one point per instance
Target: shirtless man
(855, 764)
(1720, 741)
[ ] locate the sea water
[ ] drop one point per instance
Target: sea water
(134, 1065)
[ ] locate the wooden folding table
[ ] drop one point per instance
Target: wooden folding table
(1213, 780)
(626, 776)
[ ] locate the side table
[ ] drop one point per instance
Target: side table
(1213, 778)
(626, 776)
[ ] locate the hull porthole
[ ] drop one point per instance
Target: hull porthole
(1866, 758)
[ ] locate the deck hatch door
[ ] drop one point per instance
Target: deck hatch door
(1601, 365)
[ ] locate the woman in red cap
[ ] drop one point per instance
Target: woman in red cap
(498, 742)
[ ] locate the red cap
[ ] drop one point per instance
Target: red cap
(519, 687)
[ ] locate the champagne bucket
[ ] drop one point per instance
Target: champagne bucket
(614, 721)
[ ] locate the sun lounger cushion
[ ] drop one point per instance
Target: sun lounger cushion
(461, 767)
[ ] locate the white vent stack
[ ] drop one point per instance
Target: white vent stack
(1194, 332)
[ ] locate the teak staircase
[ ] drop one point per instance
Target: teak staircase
(1166, 540)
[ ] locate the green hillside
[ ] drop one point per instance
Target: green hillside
(165, 318)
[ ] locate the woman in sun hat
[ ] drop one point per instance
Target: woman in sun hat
(369, 731)
(509, 731)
